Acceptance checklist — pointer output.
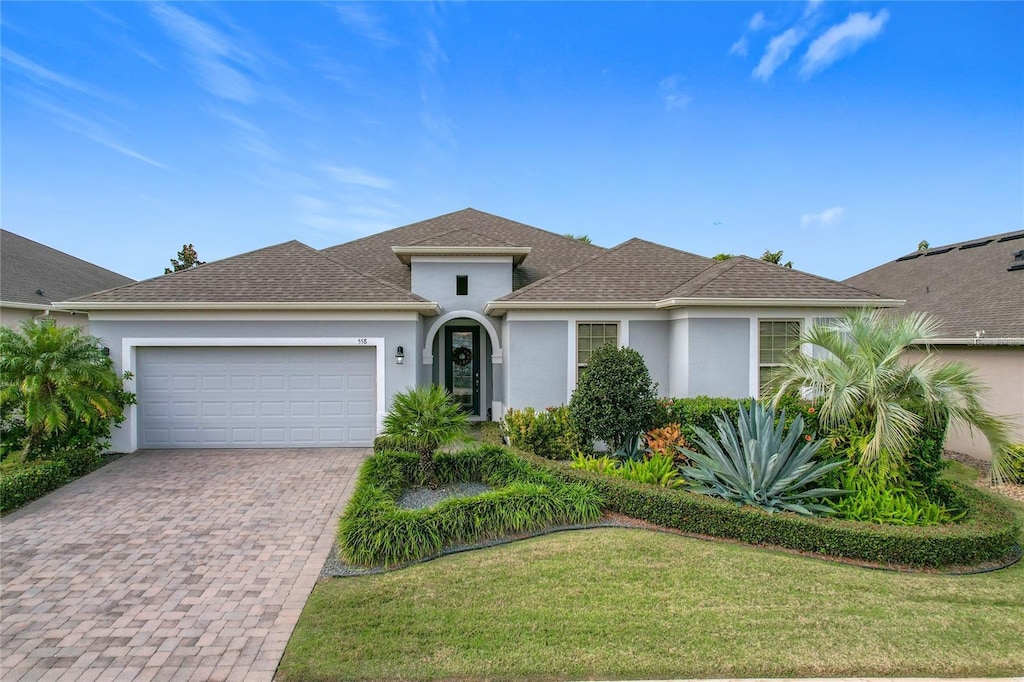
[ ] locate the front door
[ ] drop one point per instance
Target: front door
(462, 365)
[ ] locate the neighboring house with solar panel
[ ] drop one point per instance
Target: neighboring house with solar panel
(33, 276)
(976, 289)
(291, 346)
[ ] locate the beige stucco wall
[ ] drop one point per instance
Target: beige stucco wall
(1001, 368)
(13, 317)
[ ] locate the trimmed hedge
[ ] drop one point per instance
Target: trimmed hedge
(32, 483)
(988, 533)
(374, 530)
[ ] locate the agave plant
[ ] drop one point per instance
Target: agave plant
(759, 464)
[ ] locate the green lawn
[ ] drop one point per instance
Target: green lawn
(621, 603)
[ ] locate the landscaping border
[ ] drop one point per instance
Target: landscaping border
(374, 530)
(987, 535)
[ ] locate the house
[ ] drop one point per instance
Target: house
(288, 345)
(976, 290)
(33, 276)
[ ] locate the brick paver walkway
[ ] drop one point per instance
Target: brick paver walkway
(169, 565)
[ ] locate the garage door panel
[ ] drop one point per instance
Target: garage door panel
(256, 397)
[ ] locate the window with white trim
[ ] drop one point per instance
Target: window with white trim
(589, 337)
(777, 338)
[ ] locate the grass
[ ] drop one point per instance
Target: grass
(622, 603)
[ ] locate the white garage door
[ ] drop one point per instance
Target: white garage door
(256, 397)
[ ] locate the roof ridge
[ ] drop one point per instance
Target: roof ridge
(378, 280)
(63, 253)
(722, 267)
(194, 267)
(808, 274)
(606, 251)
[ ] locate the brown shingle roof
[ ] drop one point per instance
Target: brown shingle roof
(460, 237)
(969, 286)
(635, 270)
(639, 270)
(286, 273)
(745, 277)
(27, 266)
(551, 252)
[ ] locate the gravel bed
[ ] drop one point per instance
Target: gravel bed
(425, 498)
(1014, 491)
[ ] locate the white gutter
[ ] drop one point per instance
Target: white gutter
(971, 341)
(24, 306)
(781, 302)
(426, 307)
(497, 307)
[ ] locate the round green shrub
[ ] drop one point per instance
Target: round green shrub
(615, 397)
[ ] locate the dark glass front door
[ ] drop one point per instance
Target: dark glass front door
(462, 366)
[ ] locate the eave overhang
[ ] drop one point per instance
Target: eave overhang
(779, 303)
(499, 307)
(406, 253)
(424, 307)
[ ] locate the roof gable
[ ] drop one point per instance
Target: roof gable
(970, 286)
(28, 267)
(286, 273)
(636, 270)
(550, 252)
(752, 278)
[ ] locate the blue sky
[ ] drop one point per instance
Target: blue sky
(841, 133)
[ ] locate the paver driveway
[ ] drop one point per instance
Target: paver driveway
(169, 564)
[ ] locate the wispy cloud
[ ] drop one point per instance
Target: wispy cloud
(48, 77)
(672, 94)
(357, 176)
(829, 216)
(434, 116)
(366, 23)
(779, 49)
(742, 46)
(90, 129)
(842, 40)
(218, 59)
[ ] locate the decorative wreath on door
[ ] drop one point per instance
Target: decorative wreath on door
(462, 356)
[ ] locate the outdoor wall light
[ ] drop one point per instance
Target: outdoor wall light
(400, 356)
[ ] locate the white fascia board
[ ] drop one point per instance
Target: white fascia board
(518, 253)
(499, 307)
(254, 315)
(425, 307)
(25, 306)
(971, 341)
(781, 302)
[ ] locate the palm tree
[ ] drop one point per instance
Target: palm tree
(426, 418)
(53, 376)
(876, 400)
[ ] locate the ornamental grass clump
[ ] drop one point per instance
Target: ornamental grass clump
(756, 463)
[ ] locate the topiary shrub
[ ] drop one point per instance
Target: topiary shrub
(615, 397)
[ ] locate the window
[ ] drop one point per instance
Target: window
(461, 285)
(777, 339)
(589, 337)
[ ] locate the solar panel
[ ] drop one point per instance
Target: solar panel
(938, 251)
(910, 257)
(975, 244)
(1011, 237)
